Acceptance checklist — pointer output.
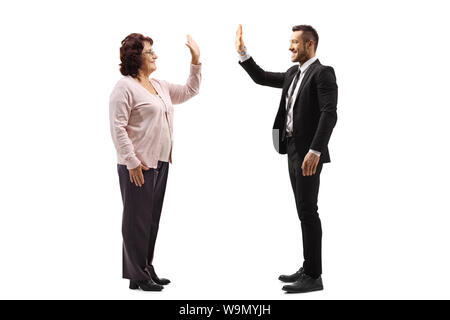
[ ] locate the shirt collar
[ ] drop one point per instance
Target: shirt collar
(305, 66)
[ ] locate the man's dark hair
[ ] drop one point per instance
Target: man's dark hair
(309, 33)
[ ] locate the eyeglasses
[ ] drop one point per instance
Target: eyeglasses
(151, 52)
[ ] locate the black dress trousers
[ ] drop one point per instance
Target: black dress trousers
(306, 191)
(141, 213)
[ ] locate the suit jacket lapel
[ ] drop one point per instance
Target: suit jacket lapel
(290, 77)
(306, 77)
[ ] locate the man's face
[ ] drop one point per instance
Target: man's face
(298, 47)
(148, 58)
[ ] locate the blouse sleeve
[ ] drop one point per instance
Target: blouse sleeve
(181, 93)
(119, 113)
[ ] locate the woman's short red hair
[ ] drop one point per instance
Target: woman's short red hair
(130, 53)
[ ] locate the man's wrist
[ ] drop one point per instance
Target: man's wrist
(243, 52)
(317, 153)
(245, 56)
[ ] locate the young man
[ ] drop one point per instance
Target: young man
(303, 126)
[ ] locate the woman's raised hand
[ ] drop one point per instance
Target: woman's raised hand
(195, 50)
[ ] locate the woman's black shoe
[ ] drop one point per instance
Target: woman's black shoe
(145, 285)
(155, 278)
(160, 281)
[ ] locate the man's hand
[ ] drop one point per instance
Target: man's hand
(239, 42)
(309, 165)
(136, 175)
(195, 50)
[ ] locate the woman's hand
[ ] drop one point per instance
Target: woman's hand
(136, 175)
(195, 50)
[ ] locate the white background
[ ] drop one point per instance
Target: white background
(229, 225)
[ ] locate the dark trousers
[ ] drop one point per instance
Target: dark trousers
(306, 191)
(141, 213)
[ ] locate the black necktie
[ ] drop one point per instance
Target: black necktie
(291, 93)
(291, 98)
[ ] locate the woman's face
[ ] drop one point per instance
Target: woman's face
(148, 58)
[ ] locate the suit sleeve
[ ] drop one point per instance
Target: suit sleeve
(264, 78)
(327, 92)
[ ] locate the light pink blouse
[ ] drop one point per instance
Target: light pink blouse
(137, 117)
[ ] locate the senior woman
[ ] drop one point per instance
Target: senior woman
(141, 122)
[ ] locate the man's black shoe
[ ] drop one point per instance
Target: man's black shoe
(293, 277)
(305, 284)
(145, 285)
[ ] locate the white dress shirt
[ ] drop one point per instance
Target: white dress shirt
(289, 120)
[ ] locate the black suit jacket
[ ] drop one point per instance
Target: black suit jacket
(314, 114)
